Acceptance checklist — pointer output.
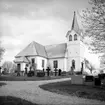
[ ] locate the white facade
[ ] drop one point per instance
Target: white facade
(75, 52)
(61, 63)
(38, 62)
(72, 55)
(22, 66)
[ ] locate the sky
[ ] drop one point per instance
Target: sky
(43, 21)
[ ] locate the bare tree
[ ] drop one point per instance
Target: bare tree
(89, 65)
(94, 24)
(8, 66)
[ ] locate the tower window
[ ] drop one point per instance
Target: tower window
(70, 38)
(75, 37)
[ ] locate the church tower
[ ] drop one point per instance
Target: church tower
(75, 47)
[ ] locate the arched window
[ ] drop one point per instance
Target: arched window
(70, 38)
(75, 37)
(55, 64)
(73, 63)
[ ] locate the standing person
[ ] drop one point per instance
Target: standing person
(0, 70)
(43, 69)
(26, 70)
(48, 71)
(59, 72)
(71, 70)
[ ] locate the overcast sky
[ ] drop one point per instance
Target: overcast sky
(43, 21)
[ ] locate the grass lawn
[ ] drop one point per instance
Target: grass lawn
(1, 84)
(25, 78)
(66, 88)
(9, 100)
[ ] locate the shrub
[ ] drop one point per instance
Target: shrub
(78, 73)
(30, 73)
(40, 74)
(4, 72)
(63, 73)
(101, 76)
(89, 78)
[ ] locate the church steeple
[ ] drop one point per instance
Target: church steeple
(75, 25)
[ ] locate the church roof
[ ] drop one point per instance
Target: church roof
(56, 51)
(21, 59)
(49, 51)
(33, 48)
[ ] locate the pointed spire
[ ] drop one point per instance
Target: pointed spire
(75, 25)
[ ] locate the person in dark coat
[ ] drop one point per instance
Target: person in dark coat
(59, 72)
(25, 70)
(0, 70)
(43, 69)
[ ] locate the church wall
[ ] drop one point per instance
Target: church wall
(82, 49)
(22, 68)
(77, 63)
(74, 54)
(65, 64)
(73, 50)
(61, 63)
(39, 63)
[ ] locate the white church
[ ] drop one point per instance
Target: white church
(62, 56)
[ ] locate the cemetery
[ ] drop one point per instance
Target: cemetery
(85, 86)
(52, 52)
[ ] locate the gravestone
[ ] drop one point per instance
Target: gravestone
(89, 80)
(77, 79)
(48, 71)
(97, 82)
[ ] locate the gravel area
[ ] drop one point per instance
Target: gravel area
(30, 91)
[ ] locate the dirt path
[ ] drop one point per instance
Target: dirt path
(30, 91)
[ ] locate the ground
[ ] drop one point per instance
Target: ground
(30, 91)
(66, 88)
(9, 100)
(25, 78)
